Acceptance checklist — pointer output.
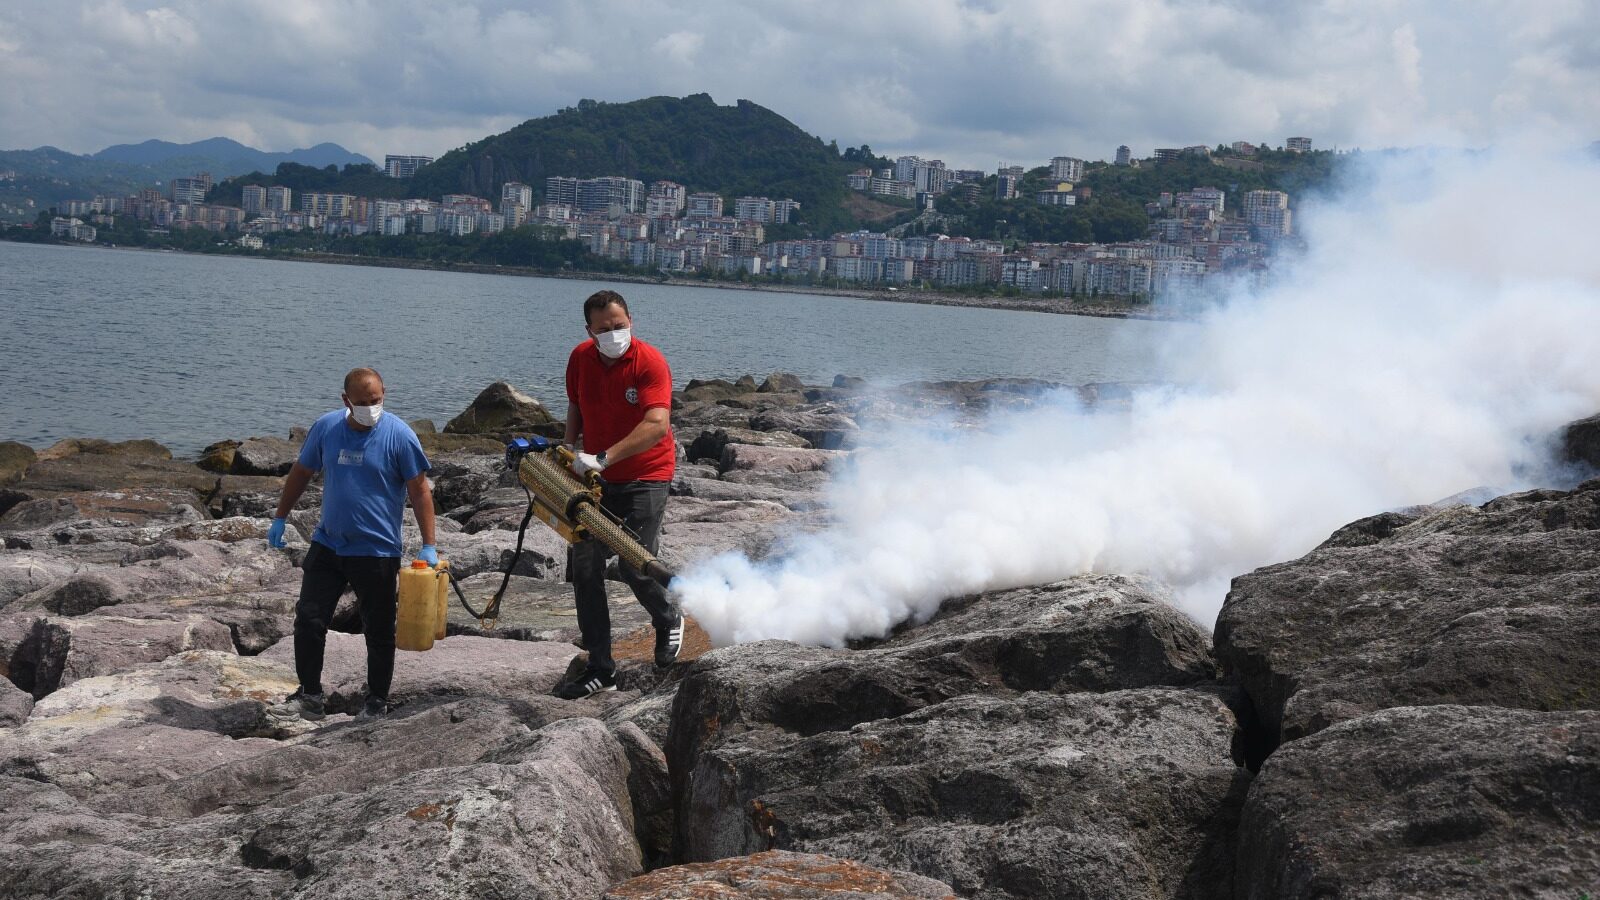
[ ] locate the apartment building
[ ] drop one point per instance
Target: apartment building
(404, 166)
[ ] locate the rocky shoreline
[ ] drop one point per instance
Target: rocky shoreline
(1411, 709)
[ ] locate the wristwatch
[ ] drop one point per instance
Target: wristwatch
(601, 458)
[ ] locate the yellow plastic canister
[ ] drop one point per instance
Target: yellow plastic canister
(443, 578)
(418, 614)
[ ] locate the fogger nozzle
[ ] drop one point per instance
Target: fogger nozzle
(573, 510)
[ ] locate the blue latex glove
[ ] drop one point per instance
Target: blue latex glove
(275, 535)
(429, 554)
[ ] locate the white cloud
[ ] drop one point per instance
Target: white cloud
(970, 83)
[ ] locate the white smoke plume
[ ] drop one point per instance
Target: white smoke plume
(1443, 322)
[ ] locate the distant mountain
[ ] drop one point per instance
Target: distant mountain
(226, 157)
(738, 150)
(47, 176)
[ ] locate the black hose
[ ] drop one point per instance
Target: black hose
(492, 610)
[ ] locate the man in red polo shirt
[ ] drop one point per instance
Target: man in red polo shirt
(619, 399)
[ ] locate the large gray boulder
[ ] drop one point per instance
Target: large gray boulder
(264, 456)
(167, 570)
(1436, 801)
(501, 409)
(1052, 741)
(781, 382)
(255, 496)
(800, 498)
(710, 390)
(780, 874)
(25, 571)
(58, 518)
(1580, 442)
(707, 442)
(756, 402)
(741, 457)
(696, 415)
(15, 458)
(1491, 605)
(1092, 633)
(68, 649)
(822, 428)
(15, 704)
(1124, 794)
(464, 479)
(471, 799)
(132, 473)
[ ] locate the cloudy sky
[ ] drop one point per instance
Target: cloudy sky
(974, 83)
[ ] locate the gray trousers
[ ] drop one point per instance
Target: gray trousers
(640, 505)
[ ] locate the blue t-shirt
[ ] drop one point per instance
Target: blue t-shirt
(364, 482)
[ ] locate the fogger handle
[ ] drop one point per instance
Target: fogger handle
(567, 457)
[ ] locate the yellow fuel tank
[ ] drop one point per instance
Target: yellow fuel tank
(444, 599)
(417, 618)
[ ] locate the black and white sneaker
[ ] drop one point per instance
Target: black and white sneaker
(669, 641)
(590, 682)
(375, 707)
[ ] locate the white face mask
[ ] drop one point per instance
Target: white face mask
(366, 415)
(614, 343)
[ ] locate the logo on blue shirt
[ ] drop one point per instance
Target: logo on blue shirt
(351, 457)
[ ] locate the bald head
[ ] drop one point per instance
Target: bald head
(358, 378)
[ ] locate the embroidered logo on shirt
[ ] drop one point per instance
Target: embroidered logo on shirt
(351, 457)
(631, 395)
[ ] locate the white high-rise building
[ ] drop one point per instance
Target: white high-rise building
(754, 209)
(704, 206)
(1268, 214)
(667, 198)
(610, 193)
(1066, 168)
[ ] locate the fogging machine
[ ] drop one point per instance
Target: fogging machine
(571, 507)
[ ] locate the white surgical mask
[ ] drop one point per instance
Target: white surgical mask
(614, 343)
(366, 415)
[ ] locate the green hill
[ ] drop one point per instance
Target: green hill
(734, 151)
(1114, 211)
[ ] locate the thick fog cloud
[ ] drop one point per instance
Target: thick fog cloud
(1417, 350)
(974, 83)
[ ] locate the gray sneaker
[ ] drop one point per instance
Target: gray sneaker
(375, 707)
(312, 706)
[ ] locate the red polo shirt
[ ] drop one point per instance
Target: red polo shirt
(612, 401)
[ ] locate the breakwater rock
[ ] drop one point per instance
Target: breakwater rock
(1404, 711)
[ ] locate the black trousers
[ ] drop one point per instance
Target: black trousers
(640, 505)
(324, 576)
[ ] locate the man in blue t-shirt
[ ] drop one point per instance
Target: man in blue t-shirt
(371, 463)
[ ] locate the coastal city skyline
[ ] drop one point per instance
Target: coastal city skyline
(973, 84)
(1191, 241)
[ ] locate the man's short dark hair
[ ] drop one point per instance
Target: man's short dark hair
(600, 300)
(358, 375)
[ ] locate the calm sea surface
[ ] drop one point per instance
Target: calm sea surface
(187, 350)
